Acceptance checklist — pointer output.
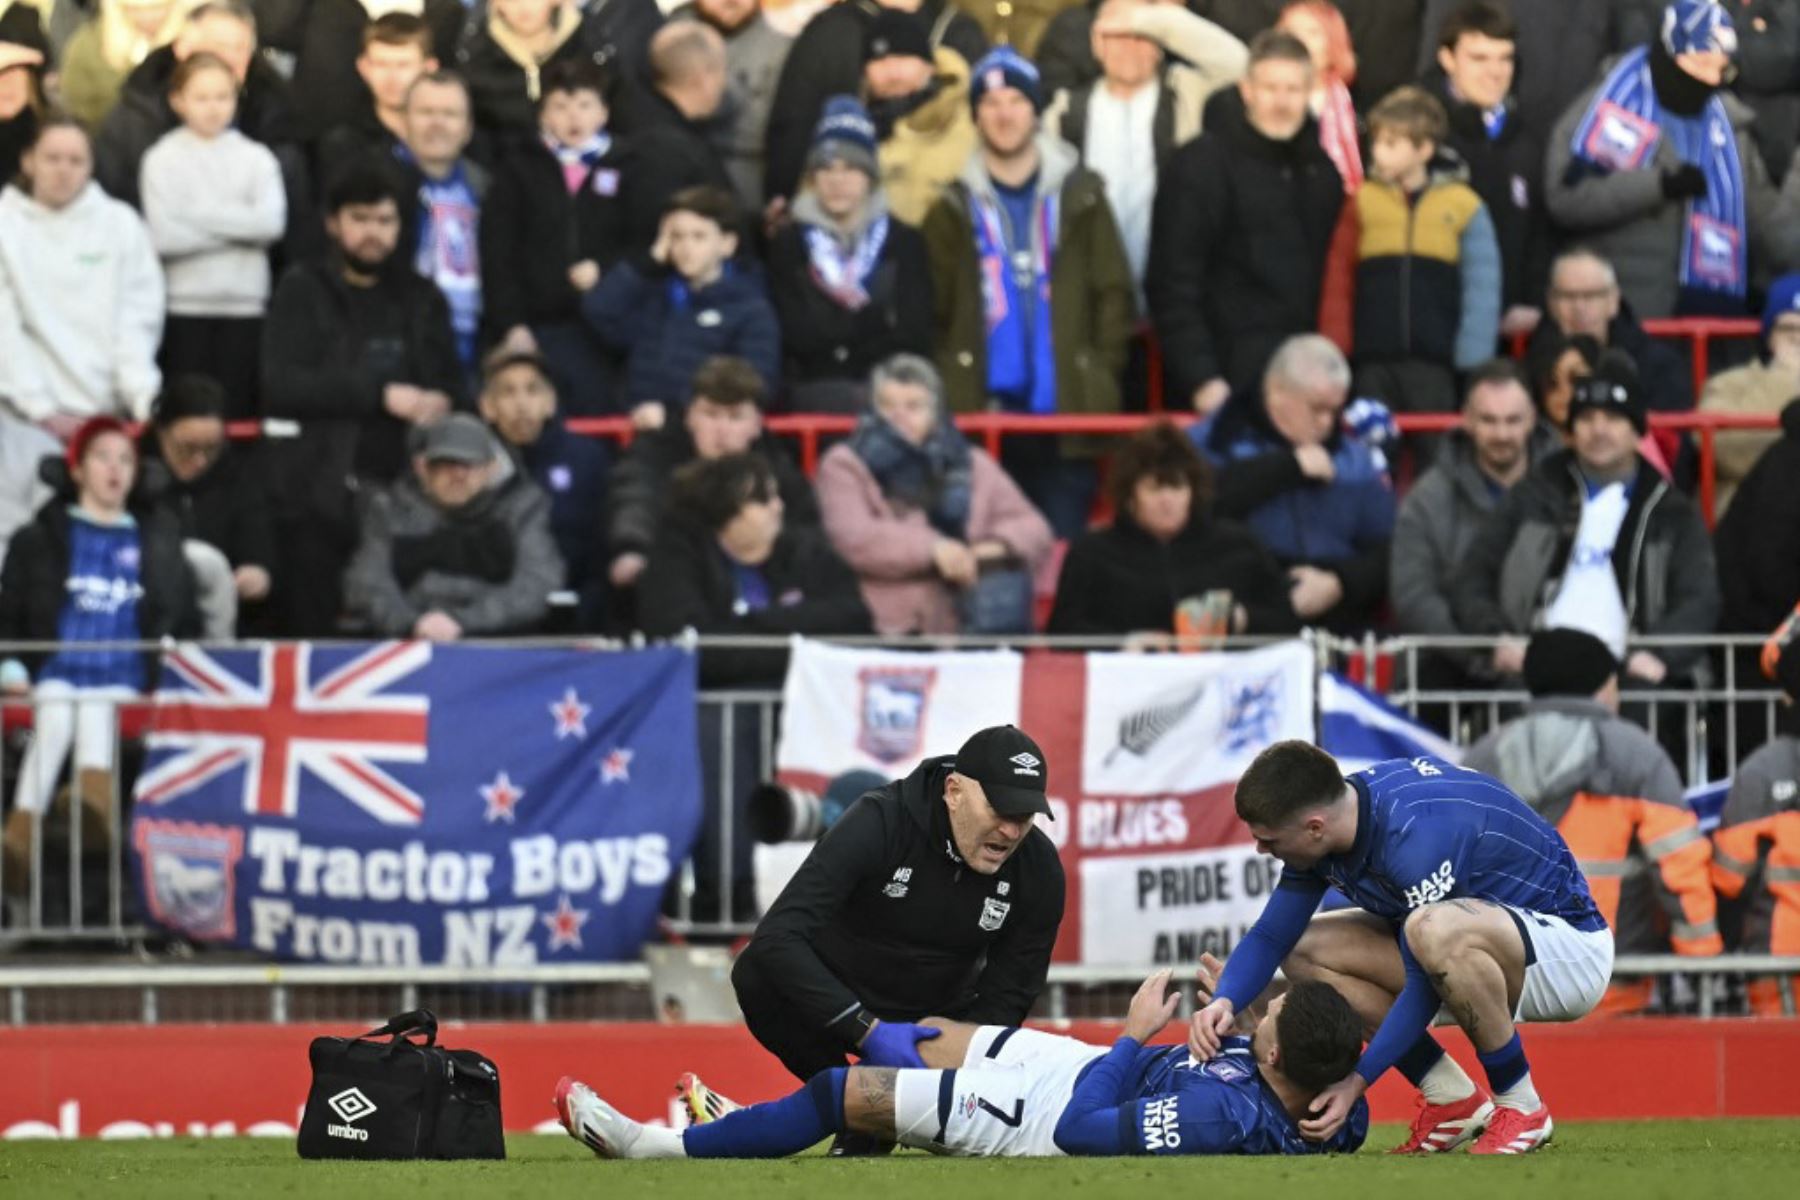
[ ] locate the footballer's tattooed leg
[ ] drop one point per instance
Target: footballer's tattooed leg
(869, 1100)
(1475, 957)
(1467, 1015)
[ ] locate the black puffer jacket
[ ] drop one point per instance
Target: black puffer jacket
(1122, 580)
(533, 229)
(823, 340)
(1238, 244)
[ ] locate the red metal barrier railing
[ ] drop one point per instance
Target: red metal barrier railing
(1700, 333)
(991, 428)
(810, 428)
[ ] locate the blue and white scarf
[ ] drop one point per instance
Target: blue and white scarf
(449, 248)
(842, 272)
(1020, 358)
(1621, 131)
(576, 161)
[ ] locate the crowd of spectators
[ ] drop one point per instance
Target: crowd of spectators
(414, 238)
(352, 222)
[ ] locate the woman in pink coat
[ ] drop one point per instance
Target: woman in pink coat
(933, 527)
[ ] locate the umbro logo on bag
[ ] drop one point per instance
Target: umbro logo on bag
(350, 1105)
(1025, 763)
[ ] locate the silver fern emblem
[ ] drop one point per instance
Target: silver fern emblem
(1141, 730)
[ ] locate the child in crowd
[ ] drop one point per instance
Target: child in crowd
(554, 215)
(1428, 276)
(215, 203)
(87, 571)
(688, 304)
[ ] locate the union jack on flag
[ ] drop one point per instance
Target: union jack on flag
(266, 712)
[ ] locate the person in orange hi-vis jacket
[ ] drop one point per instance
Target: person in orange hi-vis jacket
(1756, 851)
(1616, 799)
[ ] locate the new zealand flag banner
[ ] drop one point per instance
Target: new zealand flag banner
(409, 803)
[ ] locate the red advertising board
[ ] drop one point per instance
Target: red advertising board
(226, 1080)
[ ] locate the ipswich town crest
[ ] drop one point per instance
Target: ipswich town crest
(189, 875)
(891, 717)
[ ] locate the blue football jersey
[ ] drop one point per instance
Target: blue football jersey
(1174, 1105)
(1429, 830)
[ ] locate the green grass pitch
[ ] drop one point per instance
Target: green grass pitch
(1688, 1160)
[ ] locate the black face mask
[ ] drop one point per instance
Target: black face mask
(888, 113)
(1676, 90)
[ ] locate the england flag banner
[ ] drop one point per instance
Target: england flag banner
(1143, 750)
(407, 803)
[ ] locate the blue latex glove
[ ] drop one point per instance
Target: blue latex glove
(895, 1044)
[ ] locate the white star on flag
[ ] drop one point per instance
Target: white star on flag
(616, 766)
(502, 798)
(571, 715)
(564, 924)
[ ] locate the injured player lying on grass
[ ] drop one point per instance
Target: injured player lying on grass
(999, 1092)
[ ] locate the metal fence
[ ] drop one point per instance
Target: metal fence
(1708, 719)
(174, 994)
(79, 898)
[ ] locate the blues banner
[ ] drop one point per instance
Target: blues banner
(408, 803)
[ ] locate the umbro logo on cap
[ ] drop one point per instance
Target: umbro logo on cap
(1010, 768)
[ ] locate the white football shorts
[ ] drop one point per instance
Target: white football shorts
(1003, 1102)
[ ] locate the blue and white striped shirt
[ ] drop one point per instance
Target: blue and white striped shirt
(1429, 830)
(101, 605)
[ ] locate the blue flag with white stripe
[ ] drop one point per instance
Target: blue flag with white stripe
(1359, 728)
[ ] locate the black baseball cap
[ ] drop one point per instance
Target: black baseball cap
(1010, 768)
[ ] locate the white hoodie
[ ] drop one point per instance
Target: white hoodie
(81, 308)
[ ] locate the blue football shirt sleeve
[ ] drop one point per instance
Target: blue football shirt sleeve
(1283, 919)
(1349, 1139)
(1094, 1122)
(1409, 1018)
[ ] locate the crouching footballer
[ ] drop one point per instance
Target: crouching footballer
(992, 1091)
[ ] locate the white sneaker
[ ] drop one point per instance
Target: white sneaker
(593, 1122)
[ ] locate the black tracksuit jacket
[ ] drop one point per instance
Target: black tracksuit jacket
(885, 919)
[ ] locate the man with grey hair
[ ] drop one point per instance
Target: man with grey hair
(1584, 299)
(669, 125)
(1314, 492)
